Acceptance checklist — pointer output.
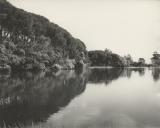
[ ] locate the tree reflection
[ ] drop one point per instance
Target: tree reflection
(108, 75)
(141, 71)
(104, 75)
(29, 97)
(156, 74)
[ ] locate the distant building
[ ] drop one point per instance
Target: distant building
(156, 59)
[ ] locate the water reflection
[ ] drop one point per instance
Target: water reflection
(156, 74)
(104, 75)
(140, 70)
(32, 97)
(71, 99)
(126, 103)
(108, 75)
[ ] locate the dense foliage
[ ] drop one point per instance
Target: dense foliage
(107, 58)
(155, 59)
(30, 40)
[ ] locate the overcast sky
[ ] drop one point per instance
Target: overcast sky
(124, 26)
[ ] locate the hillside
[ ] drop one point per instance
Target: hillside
(31, 41)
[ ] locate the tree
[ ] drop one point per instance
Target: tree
(156, 55)
(2, 17)
(156, 59)
(141, 61)
(128, 60)
(107, 51)
(100, 58)
(29, 38)
(0, 34)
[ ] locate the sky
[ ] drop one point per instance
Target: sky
(123, 26)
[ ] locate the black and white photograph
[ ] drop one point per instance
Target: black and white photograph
(79, 63)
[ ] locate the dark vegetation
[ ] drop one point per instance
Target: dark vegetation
(31, 98)
(155, 59)
(27, 98)
(107, 75)
(104, 75)
(30, 41)
(107, 58)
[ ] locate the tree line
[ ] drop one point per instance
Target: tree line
(29, 38)
(108, 58)
(31, 41)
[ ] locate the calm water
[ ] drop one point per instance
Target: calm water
(97, 98)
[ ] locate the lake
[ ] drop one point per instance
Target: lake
(96, 98)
